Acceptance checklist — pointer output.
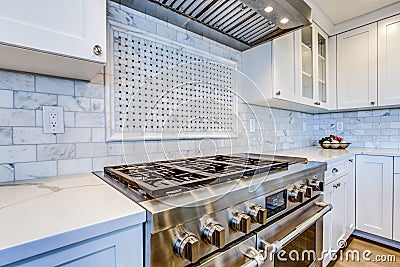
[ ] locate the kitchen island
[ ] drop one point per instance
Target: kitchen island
(76, 219)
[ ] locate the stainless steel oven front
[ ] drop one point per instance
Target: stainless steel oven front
(293, 239)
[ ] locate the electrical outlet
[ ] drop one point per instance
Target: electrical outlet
(339, 126)
(252, 125)
(53, 119)
(304, 127)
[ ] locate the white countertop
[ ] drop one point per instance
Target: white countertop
(44, 214)
(327, 155)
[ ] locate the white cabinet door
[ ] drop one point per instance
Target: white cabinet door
(334, 221)
(121, 248)
(69, 28)
(339, 214)
(284, 68)
(389, 61)
(374, 195)
(305, 43)
(349, 198)
(357, 68)
(257, 79)
(396, 208)
(327, 224)
(321, 44)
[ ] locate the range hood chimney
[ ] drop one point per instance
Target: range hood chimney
(240, 24)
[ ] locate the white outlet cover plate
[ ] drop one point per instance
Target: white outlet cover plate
(339, 126)
(59, 123)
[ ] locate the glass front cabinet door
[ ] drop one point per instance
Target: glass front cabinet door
(321, 41)
(312, 58)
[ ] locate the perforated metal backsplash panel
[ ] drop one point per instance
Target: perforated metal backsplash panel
(161, 90)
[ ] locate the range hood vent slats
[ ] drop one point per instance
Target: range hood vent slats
(234, 17)
(250, 29)
(223, 11)
(213, 10)
(240, 24)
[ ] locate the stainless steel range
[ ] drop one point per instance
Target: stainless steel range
(227, 210)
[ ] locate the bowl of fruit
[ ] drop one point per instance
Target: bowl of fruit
(333, 142)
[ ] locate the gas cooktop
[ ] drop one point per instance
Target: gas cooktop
(162, 178)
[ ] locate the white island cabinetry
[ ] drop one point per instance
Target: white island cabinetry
(73, 221)
(121, 248)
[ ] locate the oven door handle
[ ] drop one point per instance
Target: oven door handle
(269, 249)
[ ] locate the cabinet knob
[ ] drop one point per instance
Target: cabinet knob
(334, 170)
(97, 50)
(351, 160)
(317, 103)
(337, 185)
(373, 103)
(278, 93)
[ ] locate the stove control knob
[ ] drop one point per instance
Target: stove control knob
(241, 222)
(214, 234)
(316, 185)
(307, 190)
(295, 195)
(258, 214)
(187, 247)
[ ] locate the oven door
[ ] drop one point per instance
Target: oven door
(294, 239)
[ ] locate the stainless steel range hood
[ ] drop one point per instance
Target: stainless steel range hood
(240, 24)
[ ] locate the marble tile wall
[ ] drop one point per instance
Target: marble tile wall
(371, 128)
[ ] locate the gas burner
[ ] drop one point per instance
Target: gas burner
(163, 178)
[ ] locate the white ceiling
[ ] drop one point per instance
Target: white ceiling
(342, 10)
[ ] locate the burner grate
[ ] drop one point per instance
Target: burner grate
(163, 178)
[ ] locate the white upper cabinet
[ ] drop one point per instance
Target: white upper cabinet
(306, 72)
(290, 71)
(313, 61)
(284, 67)
(61, 38)
(323, 96)
(389, 61)
(357, 68)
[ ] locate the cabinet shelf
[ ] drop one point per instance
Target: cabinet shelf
(307, 74)
(305, 47)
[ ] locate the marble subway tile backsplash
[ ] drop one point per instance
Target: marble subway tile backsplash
(371, 128)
